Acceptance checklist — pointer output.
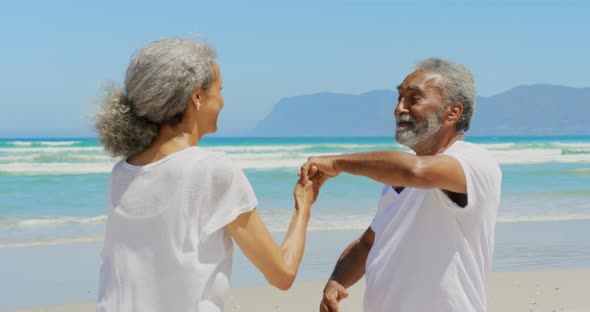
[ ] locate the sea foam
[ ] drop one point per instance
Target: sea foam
(56, 168)
(66, 159)
(50, 149)
(41, 222)
(59, 143)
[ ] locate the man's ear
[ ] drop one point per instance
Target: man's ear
(455, 112)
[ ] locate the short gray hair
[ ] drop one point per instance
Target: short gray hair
(460, 86)
(160, 80)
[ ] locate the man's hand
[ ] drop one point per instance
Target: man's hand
(325, 168)
(333, 293)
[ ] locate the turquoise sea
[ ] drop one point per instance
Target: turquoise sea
(53, 194)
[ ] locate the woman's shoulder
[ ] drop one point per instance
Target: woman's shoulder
(214, 167)
(211, 157)
(208, 159)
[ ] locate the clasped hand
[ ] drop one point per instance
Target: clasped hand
(312, 175)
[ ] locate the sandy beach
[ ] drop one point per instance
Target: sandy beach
(549, 290)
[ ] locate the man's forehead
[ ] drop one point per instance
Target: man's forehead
(421, 79)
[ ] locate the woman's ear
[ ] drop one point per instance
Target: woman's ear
(196, 98)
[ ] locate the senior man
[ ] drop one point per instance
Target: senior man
(429, 246)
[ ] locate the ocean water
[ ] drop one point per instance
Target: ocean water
(54, 190)
(53, 195)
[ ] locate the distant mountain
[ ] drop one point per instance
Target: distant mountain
(524, 110)
(534, 110)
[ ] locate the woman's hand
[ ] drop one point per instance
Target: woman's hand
(306, 193)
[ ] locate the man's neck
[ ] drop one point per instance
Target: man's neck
(437, 144)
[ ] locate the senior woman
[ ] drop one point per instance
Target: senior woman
(173, 207)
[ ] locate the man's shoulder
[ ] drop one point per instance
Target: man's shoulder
(476, 155)
(469, 149)
(466, 146)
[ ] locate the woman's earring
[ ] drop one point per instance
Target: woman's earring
(198, 105)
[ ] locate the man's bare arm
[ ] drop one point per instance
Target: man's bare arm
(349, 269)
(396, 168)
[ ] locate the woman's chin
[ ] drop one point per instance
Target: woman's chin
(212, 130)
(209, 130)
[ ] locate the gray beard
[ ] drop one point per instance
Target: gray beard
(413, 135)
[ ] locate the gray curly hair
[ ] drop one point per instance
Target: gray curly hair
(160, 80)
(460, 87)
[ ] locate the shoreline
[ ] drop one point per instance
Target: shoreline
(313, 228)
(43, 276)
(546, 290)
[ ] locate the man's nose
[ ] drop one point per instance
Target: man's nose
(400, 108)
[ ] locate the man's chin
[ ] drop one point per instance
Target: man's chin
(403, 140)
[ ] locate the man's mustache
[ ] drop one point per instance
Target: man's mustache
(404, 118)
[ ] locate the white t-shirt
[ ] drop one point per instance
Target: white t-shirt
(166, 247)
(430, 254)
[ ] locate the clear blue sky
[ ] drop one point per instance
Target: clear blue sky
(55, 54)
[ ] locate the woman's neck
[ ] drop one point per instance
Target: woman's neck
(169, 141)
